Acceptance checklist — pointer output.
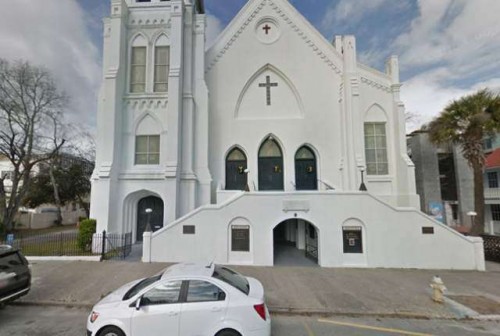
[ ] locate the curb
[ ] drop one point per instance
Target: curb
(52, 304)
(65, 258)
(290, 312)
(320, 312)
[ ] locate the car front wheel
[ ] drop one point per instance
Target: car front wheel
(228, 332)
(111, 331)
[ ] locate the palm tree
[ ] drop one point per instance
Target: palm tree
(466, 122)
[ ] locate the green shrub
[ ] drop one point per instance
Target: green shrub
(85, 232)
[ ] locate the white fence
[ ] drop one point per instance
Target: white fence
(44, 220)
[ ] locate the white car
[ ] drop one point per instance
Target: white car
(184, 300)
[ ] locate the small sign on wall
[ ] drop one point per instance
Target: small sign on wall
(188, 229)
(353, 239)
(240, 238)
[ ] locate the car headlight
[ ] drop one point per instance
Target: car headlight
(94, 316)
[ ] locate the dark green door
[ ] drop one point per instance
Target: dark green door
(271, 174)
(155, 217)
(306, 177)
(236, 164)
(270, 166)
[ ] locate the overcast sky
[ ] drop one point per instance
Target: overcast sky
(447, 48)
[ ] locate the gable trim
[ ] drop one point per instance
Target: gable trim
(225, 42)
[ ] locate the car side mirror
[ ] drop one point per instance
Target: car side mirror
(138, 304)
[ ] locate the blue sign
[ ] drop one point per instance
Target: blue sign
(436, 211)
(10, 239)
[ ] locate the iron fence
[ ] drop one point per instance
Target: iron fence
(114, 245)
(106, 245)
(491, 247)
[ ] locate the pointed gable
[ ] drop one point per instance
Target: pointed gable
(251, 17)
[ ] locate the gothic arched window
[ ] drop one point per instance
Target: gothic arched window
(138, 58)
(162, 64)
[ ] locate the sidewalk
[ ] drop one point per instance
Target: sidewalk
(379, 292)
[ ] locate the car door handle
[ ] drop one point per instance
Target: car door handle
(216, 309)
(173, 313)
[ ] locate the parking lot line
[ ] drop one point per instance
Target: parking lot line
(308, 329)
(362, 326)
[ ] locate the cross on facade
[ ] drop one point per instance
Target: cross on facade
(267, 28)
(268, 85)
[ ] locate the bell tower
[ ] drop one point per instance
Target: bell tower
(152, 131)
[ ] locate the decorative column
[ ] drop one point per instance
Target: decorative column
(404, 175)
(174, 110)
(188, 178)
(201, 110)
(354, 120)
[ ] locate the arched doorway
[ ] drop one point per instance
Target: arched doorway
(306, 177)
(296, 243)
(236, 164)
(270, 166)
(155, 217)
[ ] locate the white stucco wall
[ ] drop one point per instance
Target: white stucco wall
(322, 99)
(392, 237)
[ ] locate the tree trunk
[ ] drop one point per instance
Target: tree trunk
(56, 193)
(478, 225)
(84, 205)
(3, 202)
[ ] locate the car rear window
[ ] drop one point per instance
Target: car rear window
(140, 286)
(9, 261)
(231, 277)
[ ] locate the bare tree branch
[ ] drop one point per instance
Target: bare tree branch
(30, 119)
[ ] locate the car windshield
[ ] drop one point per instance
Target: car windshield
(231, 277)
(140, 286)
(9, 261)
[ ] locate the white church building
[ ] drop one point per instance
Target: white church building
(259, 149)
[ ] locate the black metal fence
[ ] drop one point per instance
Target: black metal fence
(114, 245)
(491, 247)
(106, 245)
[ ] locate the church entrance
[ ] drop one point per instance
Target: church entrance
(295, 243)
(236, 164)
(154, 217)
(306, 177)
(270, 166)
